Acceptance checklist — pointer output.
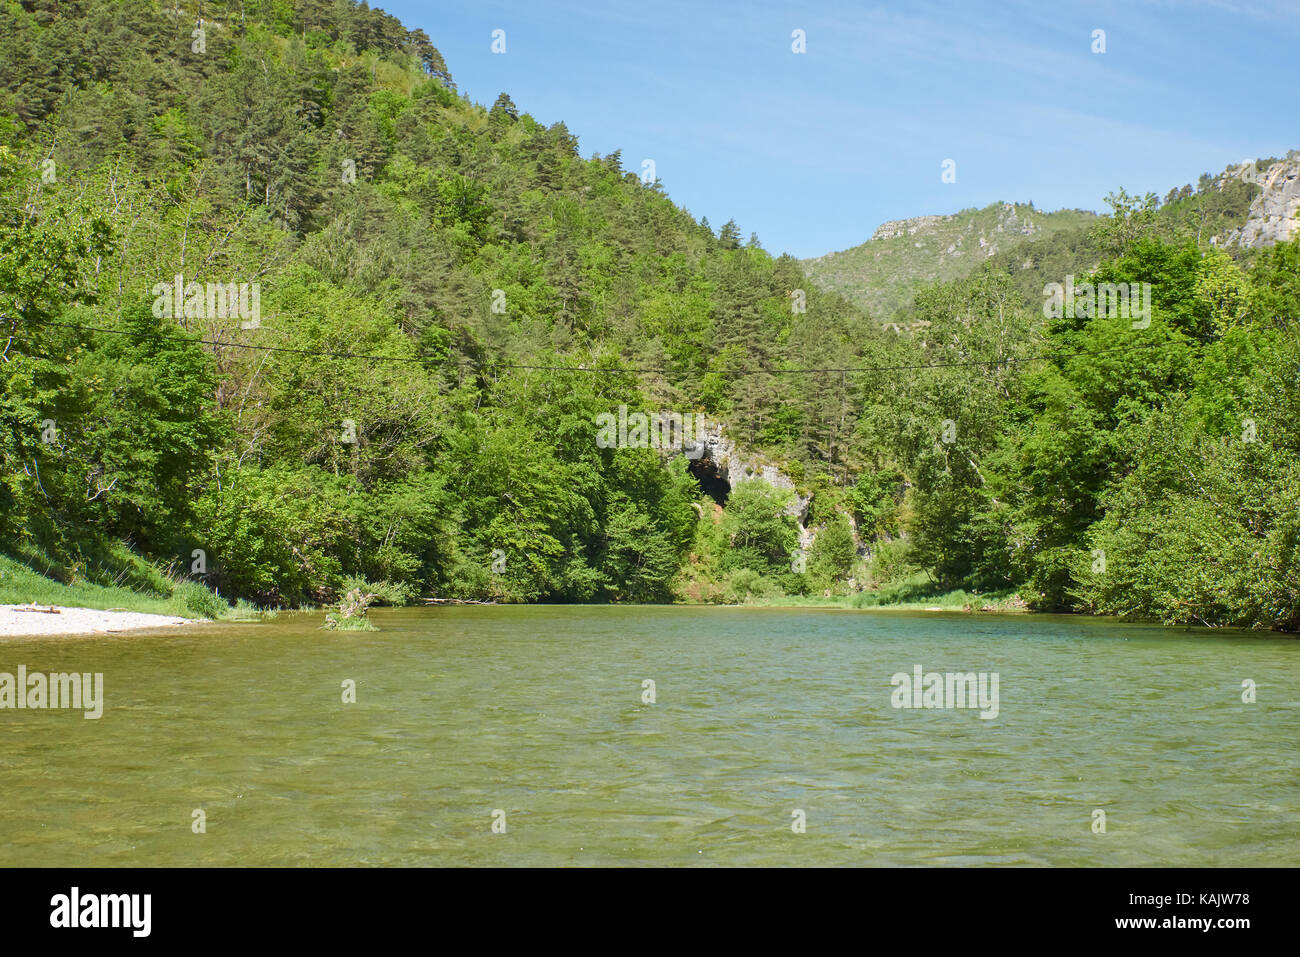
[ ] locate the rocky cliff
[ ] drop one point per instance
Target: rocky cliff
(726, 461)
(1275, 213)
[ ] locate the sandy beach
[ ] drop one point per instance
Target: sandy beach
(15, 622)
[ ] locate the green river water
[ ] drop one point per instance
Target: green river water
(537, 712)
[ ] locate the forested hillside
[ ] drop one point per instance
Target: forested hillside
(883, 274)
(426, 304)
(321, 151)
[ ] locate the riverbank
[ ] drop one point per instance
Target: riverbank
(28, 621)
(153, 599)
(872, 601)
(915, 592)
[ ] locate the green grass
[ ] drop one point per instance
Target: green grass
(957, 600)
(120, 579)
(915, 593)
(334, 622)
(156, 593)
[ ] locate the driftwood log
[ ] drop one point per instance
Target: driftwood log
(38, 609)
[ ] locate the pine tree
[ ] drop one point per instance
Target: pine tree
(504, 110)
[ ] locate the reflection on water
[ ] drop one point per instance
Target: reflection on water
(538, 712)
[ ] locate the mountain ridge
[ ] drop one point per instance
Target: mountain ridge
(903, 255)
(884, 272)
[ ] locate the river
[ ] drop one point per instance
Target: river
(525, 735)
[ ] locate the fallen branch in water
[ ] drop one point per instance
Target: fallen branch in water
(455, 601)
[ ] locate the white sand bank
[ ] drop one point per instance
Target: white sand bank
(80, 621)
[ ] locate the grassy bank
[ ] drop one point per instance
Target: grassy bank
(151, 590)
(915, 593)
(947, 601)
(119, 579)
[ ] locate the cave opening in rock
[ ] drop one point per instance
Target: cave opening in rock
(712, 482)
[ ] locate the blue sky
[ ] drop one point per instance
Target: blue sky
(812, 151)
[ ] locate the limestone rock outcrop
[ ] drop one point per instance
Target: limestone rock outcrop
(1275, 213)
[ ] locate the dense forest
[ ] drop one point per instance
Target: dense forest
(423, 305)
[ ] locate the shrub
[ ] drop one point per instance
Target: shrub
(891, 561)
(352, 613)
(197, 600)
